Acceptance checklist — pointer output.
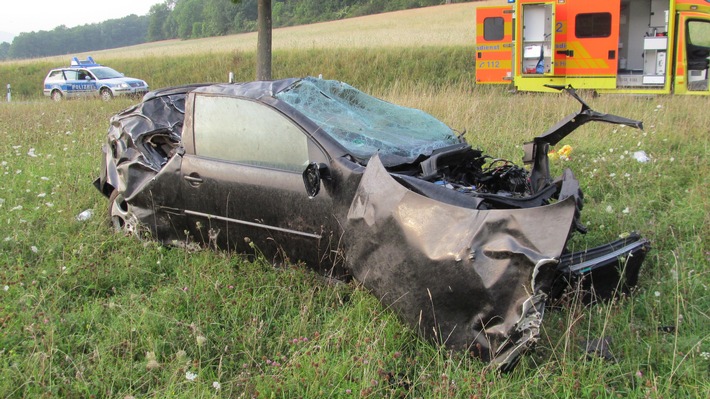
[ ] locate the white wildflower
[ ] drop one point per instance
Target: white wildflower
(216, 385)
(609, 209)
(657, 293)
(626, 210)
(200, 340)
(6, 288)
(34, 249)
(190, 376)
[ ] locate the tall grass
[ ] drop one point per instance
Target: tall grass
(365, 67)
(87, 313)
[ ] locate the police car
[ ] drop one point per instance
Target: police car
(87, 78)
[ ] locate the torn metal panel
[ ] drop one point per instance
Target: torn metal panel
(459, 275)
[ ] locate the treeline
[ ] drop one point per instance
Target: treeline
(113, 33)
(189, 19)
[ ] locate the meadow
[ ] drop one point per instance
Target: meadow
(86, 313)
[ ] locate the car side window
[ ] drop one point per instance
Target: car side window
(244, 131)
(70, 75)
(55, 76)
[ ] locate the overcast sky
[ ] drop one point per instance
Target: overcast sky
(18, 16)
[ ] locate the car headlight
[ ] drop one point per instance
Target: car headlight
(123, 85)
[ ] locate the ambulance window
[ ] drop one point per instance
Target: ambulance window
(699, 33)
(590, 25)
(493, 29)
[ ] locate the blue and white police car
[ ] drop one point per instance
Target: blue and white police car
(87, 78)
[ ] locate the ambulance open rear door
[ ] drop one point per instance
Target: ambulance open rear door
(494, 45)
(535, 46)
(590, 55)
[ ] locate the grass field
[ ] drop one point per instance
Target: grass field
(87, 313)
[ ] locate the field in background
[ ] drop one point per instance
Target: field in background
(85, 312)
(413, 43)
(445, 25)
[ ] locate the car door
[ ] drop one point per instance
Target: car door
(494, 45)
(242, 182)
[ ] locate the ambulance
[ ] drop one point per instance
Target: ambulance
(608, 46)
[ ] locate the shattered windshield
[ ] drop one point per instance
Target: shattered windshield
(105, 73)
(365, 125)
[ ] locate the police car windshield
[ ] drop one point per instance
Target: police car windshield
(105, 73)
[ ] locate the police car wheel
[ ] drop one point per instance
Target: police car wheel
(57, 95)
(106, 94)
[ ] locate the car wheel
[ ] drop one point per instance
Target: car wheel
(106, 94)
(121, 216)
(57, 95)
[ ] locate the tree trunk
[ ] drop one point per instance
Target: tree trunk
(263, 52)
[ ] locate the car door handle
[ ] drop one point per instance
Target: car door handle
(194, 180)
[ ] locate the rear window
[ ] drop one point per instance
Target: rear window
(493, 29)
(591, 25)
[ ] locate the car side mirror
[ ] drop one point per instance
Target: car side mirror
(312, 177)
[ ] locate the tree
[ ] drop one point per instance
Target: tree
(263, 47)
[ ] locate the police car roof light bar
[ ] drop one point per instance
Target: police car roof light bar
(88, 62)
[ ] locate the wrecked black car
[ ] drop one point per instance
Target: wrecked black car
(466, 248)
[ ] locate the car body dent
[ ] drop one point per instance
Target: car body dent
(460, 275)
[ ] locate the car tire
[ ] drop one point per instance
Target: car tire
(121, 218)
(57, 95)
(106, 94)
